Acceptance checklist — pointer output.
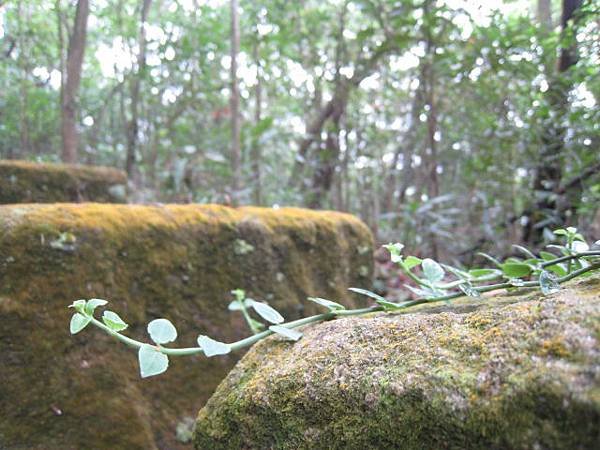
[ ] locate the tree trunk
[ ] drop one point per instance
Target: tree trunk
(133, 125)
(548, 173)
(364, 68)
(69, 107)
(236, 151)
(256, 146)
(544, 14)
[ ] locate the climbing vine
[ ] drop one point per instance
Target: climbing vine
(432, 283)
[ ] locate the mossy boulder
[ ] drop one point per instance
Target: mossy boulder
(27, 182)
(59, 391)
(508, 372)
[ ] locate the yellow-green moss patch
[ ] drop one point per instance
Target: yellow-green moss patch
(176, 261)
(518, 372)
(27, 182)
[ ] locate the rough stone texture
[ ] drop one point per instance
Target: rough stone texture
(27, 182)
(511, 372)
(83, 392)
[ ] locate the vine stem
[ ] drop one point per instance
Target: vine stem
(570, 257)
(249, 341)
(247, 317)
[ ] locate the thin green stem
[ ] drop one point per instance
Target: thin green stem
(249, 320)
(570, 257)
(247, 342)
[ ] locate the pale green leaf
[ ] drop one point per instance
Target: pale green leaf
(332, 306)
(267, 312)
(395, 252)
(368, 293)
(469, 290)
(516, 270)
(236, 305)
(411, 261)
(78, 305)
(113, 321)
(92, 304)
(288, 333)
(548, 283)
(432, 270)
(162, 331)
(210, 347)
(152, 362)
(525, 251)
(79, 322)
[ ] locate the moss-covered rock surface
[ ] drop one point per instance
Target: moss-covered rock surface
(510, 372)
(59, 391)
(27, 182)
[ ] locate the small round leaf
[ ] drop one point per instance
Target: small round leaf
(432, 270)
(162, 331)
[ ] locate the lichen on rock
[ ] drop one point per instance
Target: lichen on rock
(28, 182)
(177, 261)
(518, 372)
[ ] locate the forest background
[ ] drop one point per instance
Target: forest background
(452, 126)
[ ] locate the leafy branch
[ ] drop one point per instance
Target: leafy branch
(546, 271)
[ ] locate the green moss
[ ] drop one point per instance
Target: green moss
(171, 261)
(26, 182)
(511, 372)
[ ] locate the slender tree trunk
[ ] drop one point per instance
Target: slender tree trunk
(430, 175)
(71, 86)
(136, 83)
(256, 148)
(544, 13)
(61, 50)
(328, 158)
(406, 149)
(546, 211)
(236, 151)
(24, 141)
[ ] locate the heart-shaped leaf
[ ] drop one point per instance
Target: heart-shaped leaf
(432, 270)
(79, 322)
(411, 261)
(266, 312)
(516, 270)
(332, 306)
(162, 331)
(468, 290)
(368, 293)
(395, 252)
(78, 305)
(288, 333)
(152, 362)
(210, 347)
(391, 306)
(236, 305)
(92, 304)
(479, 273)
(525, 251)
(548, 283)
(113, 321)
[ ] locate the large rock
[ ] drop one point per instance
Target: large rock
(504, 373)
(27, 182)
(84, 392)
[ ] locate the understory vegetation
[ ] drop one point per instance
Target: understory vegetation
(572, 258)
